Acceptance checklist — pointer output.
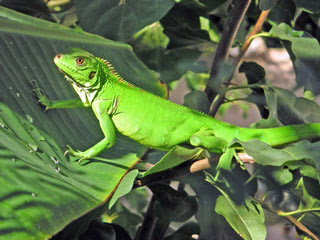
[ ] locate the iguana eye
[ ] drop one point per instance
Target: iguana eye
(79, 60)
(91, 75)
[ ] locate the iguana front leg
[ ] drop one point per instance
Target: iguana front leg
(102, 114)
(49, 104)
(101, 111)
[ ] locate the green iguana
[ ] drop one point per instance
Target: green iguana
(148, 119)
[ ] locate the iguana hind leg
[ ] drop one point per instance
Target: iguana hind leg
(207, 140)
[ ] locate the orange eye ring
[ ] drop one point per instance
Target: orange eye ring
(79, 60)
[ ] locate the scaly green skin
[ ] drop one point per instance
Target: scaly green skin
(148, 119)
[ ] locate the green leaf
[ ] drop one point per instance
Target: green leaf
(173, 158)
(312, 187)
(177, 62)
(247, 219)
(197, 100)
(290, 109)
(282, 175)
(266, 155)
(283, 12)
(43, 191)
(211, 223)
(39, 181)
(254, 72)
(119, 20)
(149, 44)
(304, 51)
(312, 6)
(196, 81)
(124, 187)
(182, 24)
(307, 170)
(267, 4)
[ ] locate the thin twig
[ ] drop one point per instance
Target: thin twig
(291, 219)
(302, 227)
(256, 29)
(222, 52)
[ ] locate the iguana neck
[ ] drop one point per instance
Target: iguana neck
(86, 94)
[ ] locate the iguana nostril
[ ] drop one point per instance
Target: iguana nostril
(57, 57)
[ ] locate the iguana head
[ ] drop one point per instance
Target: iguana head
(78, 66)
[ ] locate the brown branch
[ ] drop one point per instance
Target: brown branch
(222, 52)
(302, 227)
(256, 29)
(245, 158)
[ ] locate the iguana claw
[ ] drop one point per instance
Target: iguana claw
(81, 155)
(42, 99)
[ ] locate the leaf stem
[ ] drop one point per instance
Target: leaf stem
(281, 213)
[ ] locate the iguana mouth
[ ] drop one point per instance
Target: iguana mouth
(67, 76)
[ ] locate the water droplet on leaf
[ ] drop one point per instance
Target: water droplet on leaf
(55, 160)
(29, 118)
(33, 147)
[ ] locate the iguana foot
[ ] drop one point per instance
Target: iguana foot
(42, 99)
(76, 153)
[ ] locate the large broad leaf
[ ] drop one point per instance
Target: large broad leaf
(246, 219)
(118, 20)
(41, 190)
